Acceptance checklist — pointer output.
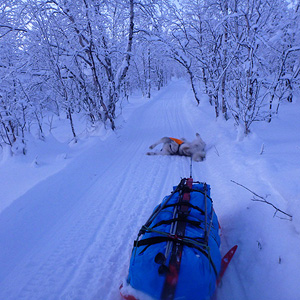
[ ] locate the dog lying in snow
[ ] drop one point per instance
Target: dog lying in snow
(172, 146)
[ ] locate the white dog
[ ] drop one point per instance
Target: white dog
(172, 146)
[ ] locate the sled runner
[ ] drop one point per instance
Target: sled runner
(176, 254)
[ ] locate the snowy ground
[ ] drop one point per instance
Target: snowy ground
(70, 213)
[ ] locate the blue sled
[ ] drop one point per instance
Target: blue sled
(176, 255)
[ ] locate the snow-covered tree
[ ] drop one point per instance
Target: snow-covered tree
(244, 53)
(84, 57)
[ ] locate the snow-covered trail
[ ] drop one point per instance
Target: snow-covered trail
(70, 236)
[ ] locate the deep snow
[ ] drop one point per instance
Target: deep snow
(70, 212)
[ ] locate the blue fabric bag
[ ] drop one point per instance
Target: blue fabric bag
(200, 259)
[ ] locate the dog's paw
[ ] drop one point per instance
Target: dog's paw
(150, 153)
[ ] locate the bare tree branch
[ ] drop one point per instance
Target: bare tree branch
(262, 199)
(11, 28)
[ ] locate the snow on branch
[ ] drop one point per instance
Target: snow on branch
(12, 28)
(259, 198)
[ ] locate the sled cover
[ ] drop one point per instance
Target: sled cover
(200, 258)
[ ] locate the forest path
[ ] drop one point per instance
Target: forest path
(73, 232)
(71, 235)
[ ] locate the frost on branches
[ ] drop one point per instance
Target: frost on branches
(84, 57)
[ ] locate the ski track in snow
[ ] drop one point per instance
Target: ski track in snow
(94, 235)
(77, 246)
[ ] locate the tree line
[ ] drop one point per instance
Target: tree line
(85, 57)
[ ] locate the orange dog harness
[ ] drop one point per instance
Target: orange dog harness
(179, 142)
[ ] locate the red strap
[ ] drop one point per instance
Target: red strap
(126, 297)
(171, 280)
(186, 196)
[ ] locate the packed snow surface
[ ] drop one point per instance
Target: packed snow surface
(70, 212)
